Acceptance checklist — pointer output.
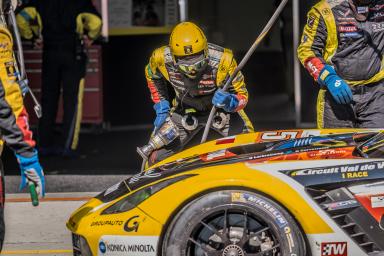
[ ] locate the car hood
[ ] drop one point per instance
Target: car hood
(255, 147)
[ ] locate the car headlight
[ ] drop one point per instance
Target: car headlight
(131, 201)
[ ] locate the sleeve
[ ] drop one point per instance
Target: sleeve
(226, 68)
(29, 22)
(13, 115)
(313, 41)
(88, 21)
(156, 82)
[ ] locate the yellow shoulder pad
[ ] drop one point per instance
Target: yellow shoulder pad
(157, 61)
(224, 66)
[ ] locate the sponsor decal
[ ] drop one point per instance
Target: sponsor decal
(128, 245)
(340, 173)
(188, 49)
(311, 21)
(377, 201)
(150, 174)
(351, 35)
(204, 83)
(107, 223)
(377, 27)
(10, 68)
(326, 11)
(226, 140)
(348, 29)
(362, 9)
(244, 197)
(341, 205)
(112, 189)
(285, 135)
(132, 224)
(102, 247)
(345, 14)
(334, 249)
(288, 234)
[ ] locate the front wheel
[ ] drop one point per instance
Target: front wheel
(233, 223)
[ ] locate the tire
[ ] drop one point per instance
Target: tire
(233, 222)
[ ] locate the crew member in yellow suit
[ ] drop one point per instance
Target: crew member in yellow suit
(185, 80)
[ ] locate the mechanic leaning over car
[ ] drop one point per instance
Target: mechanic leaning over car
(194, 70)
(342, 48)
(14, 125)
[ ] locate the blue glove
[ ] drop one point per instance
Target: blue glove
(225, 100)
(162, 111)
(338, 88)
(31, 170)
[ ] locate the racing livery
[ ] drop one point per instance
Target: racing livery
(292, 192)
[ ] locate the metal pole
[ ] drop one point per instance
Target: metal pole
(104, 15)
(245, 59)
(296, 64)
(183, 5)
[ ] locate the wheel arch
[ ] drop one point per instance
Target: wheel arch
(190, 199)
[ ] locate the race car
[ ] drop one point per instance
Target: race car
(291, 192)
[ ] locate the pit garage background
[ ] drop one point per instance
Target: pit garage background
(118, 112)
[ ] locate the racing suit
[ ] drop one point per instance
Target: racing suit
(14, 126)
(194, 97)
(334, 36)
(61, 23)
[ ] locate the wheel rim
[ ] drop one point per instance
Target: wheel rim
(233, 232)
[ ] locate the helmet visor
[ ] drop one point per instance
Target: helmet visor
(192, 65)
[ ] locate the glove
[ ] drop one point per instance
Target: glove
(162, 111)
(338, 88)
(31, 170)
(225, 100)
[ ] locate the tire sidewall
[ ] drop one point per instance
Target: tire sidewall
(282, 225)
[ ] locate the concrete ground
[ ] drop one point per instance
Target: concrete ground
(40, 230)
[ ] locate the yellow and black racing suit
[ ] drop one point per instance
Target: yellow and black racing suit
(334, 36)
(14, 125)
(166, 82)
(61, 24)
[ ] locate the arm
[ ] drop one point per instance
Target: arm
(237, 96)
(29, 22)
(311, 52)
(89, 21)
(157, 86)
(313, 41)
(14, 125)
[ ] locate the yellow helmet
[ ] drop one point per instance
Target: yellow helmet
(189, 44)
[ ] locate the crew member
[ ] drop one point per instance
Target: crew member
(342, 48)
(63, 27)
(14, 126)
(184, 79)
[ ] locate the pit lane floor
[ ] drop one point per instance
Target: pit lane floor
(41, 230)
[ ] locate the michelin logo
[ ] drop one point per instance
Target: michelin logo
(123, 245)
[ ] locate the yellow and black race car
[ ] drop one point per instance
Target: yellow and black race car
(296, 193)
